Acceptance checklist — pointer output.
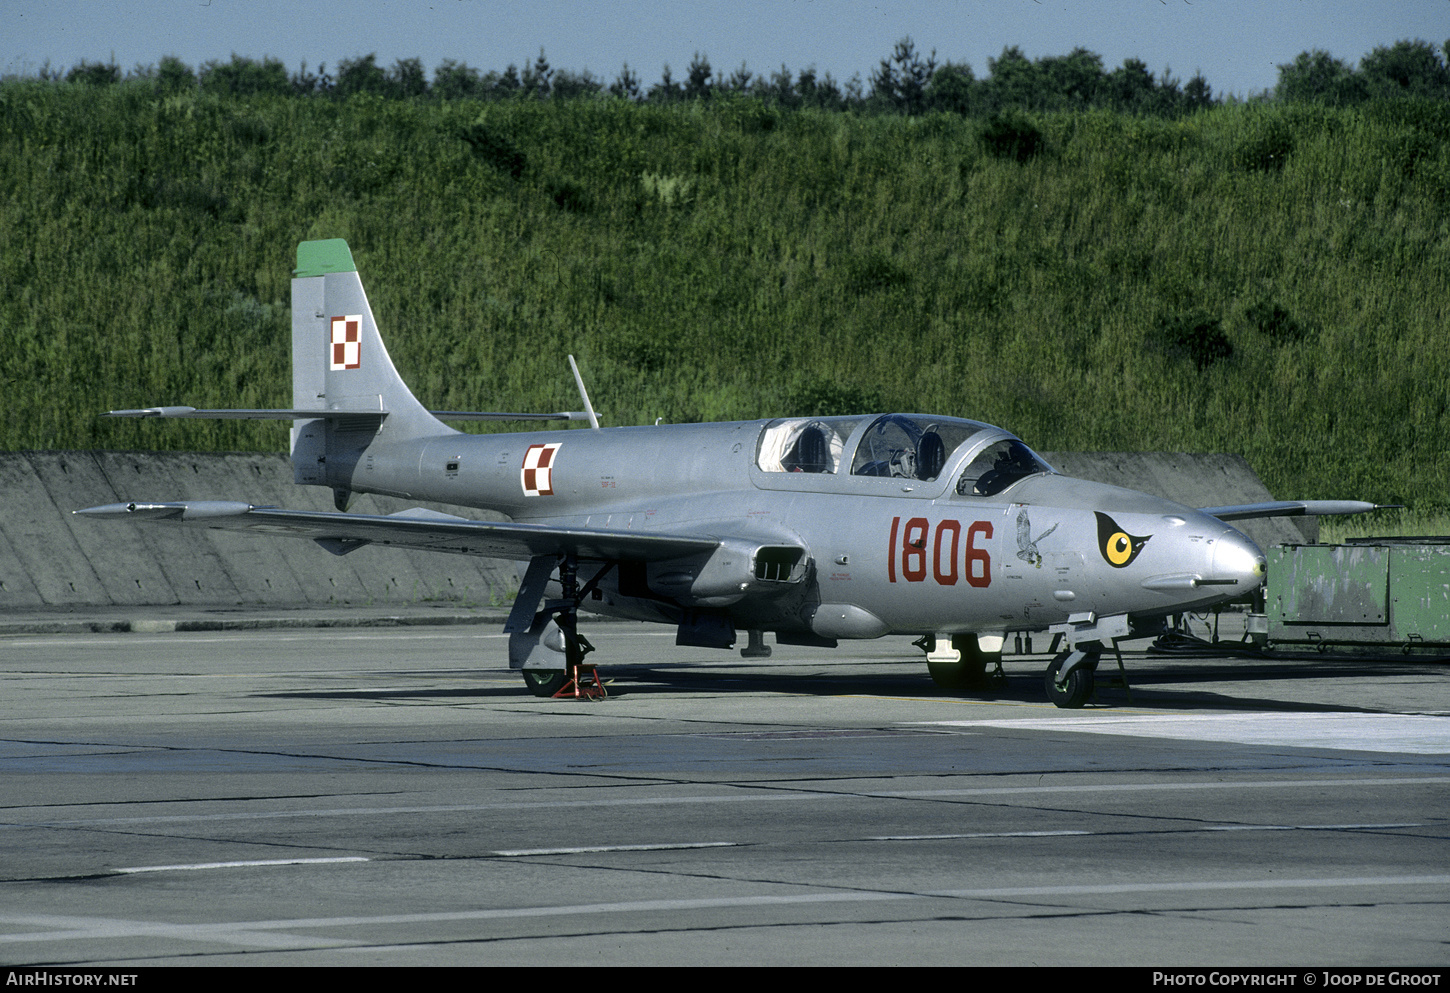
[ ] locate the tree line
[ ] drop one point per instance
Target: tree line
(906, 82)
(1404, 69)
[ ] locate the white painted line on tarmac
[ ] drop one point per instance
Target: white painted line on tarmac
(977, 835)
(449, 808)
(592, 849)
(246, 864)
(1311, 827)
(983, 834)
(1420, 734)
(1106, 889)
(1171, 787)
(54, 927)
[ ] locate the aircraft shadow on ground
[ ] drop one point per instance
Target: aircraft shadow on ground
(1177, 683)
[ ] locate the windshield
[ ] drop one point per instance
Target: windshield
(998, 466)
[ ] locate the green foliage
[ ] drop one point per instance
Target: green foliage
(1410, 522)
(1267, 144)
(952, 89)
(174, 76)
(94, 73)
(874, 271)
(733, 258)
(1320, 77)
(1072, 82)
(1413, 69)
(1275, 321)
(670, 191)
(495, 148)
(1406, 68)
(568, 195)
(455, 81)
(824, 398)
(1197, 336)
(1011, 135)
(901, 82)
(241, 77)
(407, 79)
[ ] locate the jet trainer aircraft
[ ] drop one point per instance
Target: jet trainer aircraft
(815, 528)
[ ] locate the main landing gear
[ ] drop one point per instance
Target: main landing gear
(961, 663)
(554, 631)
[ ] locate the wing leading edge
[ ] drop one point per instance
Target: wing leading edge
(420, 529)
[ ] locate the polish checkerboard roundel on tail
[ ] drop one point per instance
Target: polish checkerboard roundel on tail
(346, 344)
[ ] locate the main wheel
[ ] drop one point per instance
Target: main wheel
(545, 682)
(1074, 691)
(969, 672)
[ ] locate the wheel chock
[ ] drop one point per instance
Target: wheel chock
(583, 684)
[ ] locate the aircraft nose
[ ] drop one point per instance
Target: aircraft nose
(1237, 559)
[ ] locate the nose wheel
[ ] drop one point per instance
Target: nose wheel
(1074, 689)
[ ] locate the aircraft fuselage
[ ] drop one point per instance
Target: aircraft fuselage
(885, 554)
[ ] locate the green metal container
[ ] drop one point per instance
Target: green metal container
(1369, 594)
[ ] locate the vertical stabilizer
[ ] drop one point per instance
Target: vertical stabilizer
(339, 364)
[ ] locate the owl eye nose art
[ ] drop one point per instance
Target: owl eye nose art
(1118, 547)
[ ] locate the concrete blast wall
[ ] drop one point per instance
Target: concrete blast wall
(51, 558)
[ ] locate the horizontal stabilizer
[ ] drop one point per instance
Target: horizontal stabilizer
(192, 510)
(240, 415)
(426, 530)
(1294, 508)
(302, 415)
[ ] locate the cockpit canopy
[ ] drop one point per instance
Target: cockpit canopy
(998, 466)
(898, 446)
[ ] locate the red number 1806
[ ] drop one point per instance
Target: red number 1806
(910, 541)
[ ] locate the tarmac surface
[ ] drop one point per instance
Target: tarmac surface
(360, 786)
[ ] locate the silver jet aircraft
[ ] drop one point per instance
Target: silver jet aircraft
(815, 528)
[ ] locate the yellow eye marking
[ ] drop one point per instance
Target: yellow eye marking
(1120, 547)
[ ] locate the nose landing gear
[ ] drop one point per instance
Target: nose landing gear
(1072, 688)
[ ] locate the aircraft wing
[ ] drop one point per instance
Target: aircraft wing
(417, 528)
(1292, 508)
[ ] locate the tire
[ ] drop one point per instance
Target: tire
(969, 673)
(1078, 687)
(545, 682)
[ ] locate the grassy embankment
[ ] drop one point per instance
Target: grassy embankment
(730, 261)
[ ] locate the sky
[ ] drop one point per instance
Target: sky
(1236, 44)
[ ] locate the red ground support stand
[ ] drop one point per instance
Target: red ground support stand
(583, 684)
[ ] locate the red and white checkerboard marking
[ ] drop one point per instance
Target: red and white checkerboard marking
(537, 473)
(346, 342)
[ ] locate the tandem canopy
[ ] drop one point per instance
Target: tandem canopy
(898, 446)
